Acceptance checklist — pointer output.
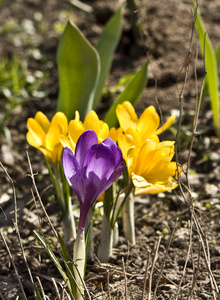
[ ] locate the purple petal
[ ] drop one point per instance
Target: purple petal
(116, 151)
(70, 164)
(84, 143)
(100, 161)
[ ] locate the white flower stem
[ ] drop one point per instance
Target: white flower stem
(115, 235)
(79, 259)
(106, 241)
(69, 226)
(128, 219)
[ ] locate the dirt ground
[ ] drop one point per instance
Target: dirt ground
(184, 235)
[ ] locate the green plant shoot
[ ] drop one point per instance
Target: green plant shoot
(211, 68)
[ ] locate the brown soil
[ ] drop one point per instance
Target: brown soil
(188, 236)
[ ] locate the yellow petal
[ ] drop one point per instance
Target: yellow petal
(53, 137)
(65, 141)
(165, 126)
(42, 120)
(148, 123)
(76, 128)
(113, 134)
(103, 132)
(92, 122)
(126, 115)
(154, 189)
(60, 120)
(139, 181)
(77, 117)
(47, 153)
(36, 135)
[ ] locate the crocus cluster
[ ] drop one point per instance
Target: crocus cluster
(94, 157)
(148, 160)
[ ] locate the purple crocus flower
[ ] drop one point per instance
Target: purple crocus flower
(92, 170)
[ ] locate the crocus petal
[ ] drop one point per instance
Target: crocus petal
(92, 122)
(148, 123)
(99, 160)
(42, 120)
(126, 115)
(165, 126)
(76, 128)
(115, 150)
(37, 135)
(84, 143)
(52, 137)
(70, 165)
(60, 120)
(103, 132)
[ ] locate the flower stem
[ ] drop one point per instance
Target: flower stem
(128, 219)
(69, 227)
(79, 259)
(106, 241)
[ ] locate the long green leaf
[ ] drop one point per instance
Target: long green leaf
(106, 46)
(79, 68)
(217, 57)
(211, 68)
(55, 260)
(132, 93)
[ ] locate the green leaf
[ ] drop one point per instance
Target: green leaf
(106, 46)
(132, 93)
(67, 259)
(108, 202)
(211, 68)
(55, 260)
(217, 55)
(79, 68)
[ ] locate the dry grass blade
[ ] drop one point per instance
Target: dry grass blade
(164, 259)
(38, 195)
(13, 264)
(146, 274)
(125, 278)
(16, 224)
(153, 265)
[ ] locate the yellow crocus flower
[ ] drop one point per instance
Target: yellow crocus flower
(146, 126)
(45, 135)
(150, 167)
(91, 122)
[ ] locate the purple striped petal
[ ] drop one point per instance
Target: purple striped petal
(116, 151)
(70, 164)
(100, 161)
(84, 143)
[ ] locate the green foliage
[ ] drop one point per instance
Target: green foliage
(16, 86)
(211, 64)
(106, 46)
(132, 93)
(79, 68)
(83, 70)
(65, 275)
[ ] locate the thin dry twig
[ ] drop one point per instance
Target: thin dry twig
(38, 195)
(153, 265)
(14, 266)
(165, 257)
(196, 272)
(15, 222)
(146, 274)
(56, 289)
(41, 288)
(125, 277)
(186, 261)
